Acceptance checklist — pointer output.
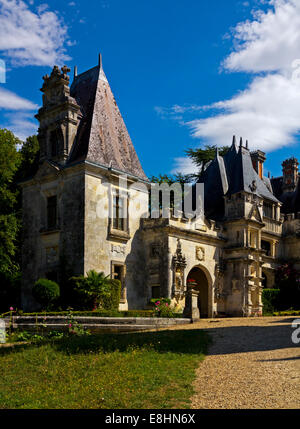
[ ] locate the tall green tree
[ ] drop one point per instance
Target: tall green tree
(29, 154)
(10, 161)
(200, 157)
(17, 162)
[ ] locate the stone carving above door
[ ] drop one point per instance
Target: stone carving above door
(200, 253)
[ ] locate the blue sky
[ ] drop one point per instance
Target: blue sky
(184, 72)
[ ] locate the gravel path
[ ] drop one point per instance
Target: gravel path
(252, 363)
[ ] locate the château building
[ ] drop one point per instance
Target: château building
(79, 213)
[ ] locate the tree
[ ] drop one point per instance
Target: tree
(29, 154)
(10, 160)
(169, 179)
(200, 157)
(9, 220)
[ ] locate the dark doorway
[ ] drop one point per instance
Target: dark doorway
(202, 285)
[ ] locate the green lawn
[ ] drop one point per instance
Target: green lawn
(141, 370)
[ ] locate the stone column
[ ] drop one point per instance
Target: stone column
(191, 309)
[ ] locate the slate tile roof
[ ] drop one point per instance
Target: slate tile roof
(230, 174)
(102, 136)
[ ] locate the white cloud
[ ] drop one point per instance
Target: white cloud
(11, 101)
(21, 124)
(184, 166)
(19, 119)
(270, 42)
(29, 38)
(267, 112)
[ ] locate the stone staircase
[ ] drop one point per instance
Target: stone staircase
(94, 324)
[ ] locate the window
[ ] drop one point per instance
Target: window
(52, 212)
(155, 292)
(266, 246)
(268, 210)
(119, 213)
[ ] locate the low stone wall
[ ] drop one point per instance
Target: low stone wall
(94, 324)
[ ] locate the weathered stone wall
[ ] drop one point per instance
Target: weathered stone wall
(72, 206)
(289, 246)
(102, 247)
(60, 250)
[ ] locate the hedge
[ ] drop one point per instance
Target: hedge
(112, 301)
(270, 299)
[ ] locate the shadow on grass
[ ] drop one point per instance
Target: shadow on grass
(182, 341)
(226, 340)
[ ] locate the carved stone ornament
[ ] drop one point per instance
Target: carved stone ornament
(200, 253)
(253, 186)
(118, 249)
(179, 264)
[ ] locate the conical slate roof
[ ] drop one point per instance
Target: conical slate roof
(102, 136)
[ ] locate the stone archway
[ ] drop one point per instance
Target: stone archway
(200, 278)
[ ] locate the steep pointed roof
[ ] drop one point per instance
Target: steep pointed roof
(245, 178)
(230, 174)
(102, 136)
(215, 187)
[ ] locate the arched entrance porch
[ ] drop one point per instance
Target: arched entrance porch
(199, 280)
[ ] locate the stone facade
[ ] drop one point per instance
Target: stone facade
(87, 208)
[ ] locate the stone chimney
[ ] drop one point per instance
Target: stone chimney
(290, 174)
(258, 158)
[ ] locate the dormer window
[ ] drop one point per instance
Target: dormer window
(268, 210)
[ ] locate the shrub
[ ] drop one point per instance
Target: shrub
(111, 301)
(46, 292)
(162, 307)
(289, 294)
(270, 299)
(95, 291)
(153, 301)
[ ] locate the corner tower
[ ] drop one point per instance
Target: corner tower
(58, 117)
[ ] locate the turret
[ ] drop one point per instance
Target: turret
(58, 117)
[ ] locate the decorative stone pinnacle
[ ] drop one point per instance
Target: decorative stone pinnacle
(65, 69)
